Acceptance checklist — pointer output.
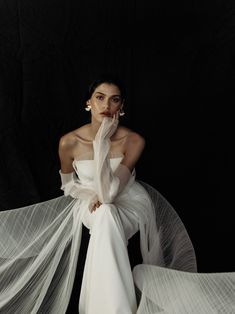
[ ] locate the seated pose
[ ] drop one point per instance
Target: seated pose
(40, 243)
(103, 155)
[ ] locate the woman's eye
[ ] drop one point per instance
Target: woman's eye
(116, 99)
(99, 97)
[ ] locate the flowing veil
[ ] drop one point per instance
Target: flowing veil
(175, 286)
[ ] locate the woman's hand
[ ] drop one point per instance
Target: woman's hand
(95, 206)
(108, 127)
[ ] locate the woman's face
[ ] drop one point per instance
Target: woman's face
(105, 101)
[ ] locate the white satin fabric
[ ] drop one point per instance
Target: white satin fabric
(40, 245)
(107, 285)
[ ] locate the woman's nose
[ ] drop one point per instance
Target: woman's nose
(107, 104)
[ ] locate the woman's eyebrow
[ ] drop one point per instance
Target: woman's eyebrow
(100, 93)
(105, 94)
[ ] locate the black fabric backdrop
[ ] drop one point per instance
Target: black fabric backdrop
(177, 61)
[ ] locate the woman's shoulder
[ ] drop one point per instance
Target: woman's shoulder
(132, 137)
(133, 146)
(71, 138)
(131, 134)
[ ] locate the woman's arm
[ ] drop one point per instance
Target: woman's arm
(66, 145)
(70, 183)
(124, 172)
(109, 184)
(134, 146)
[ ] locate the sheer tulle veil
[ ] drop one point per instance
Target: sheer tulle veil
(40, 245)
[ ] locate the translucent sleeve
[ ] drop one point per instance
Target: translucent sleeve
(108, 184)
(71, 186)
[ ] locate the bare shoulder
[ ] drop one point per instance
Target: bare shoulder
(68, 145)
(134, 145)
(134, 138)
(70, 139)
(67, 141)
(129, 134)
(134, 141)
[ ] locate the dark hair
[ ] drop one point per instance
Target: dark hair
(106, 78)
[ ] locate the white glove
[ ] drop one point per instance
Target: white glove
(107, 184)
(71, 186)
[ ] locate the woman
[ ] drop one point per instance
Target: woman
(123, 147)
(40, 243)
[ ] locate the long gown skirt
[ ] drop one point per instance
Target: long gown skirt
(40, 245)
(107, 264)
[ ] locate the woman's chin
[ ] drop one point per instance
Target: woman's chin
(102, 117)
(99, 118)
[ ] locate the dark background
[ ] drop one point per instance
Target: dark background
(177, 61)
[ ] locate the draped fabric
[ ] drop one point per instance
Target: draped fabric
(165, 290)
(176, 287)
(167, 53)
(40, 244)
(37, 256)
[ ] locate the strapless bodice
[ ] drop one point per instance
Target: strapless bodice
(85, 168)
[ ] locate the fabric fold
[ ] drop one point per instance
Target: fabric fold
(40, 244)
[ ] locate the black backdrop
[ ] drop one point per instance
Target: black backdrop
(177, 61)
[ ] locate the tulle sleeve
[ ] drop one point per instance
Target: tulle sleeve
(71, 185)
(108, 184)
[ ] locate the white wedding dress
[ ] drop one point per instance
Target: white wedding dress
(40, 244)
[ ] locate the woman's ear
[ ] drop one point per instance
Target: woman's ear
(121, 111)
(88, 106)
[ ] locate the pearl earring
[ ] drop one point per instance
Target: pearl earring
(121, 113)
(88, 108)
